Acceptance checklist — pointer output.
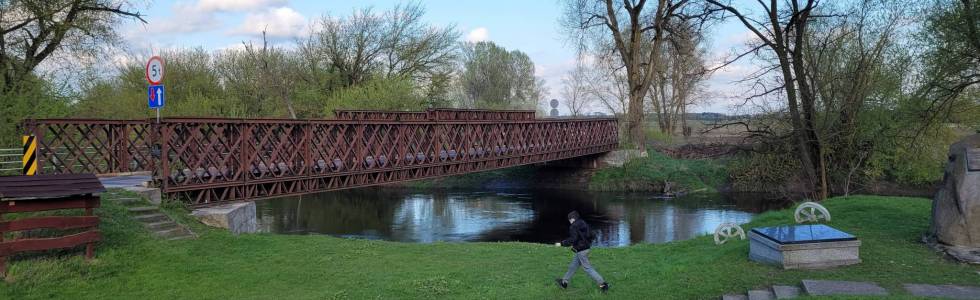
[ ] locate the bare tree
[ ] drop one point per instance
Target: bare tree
(575, 90)
(784, 31)
(678, 79)
(607, 84)
(634, 28)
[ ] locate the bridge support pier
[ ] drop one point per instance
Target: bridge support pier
(237, 217)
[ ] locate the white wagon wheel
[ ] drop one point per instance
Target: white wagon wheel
(811, 212)
(726, 231)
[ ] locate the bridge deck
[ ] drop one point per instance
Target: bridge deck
(211, 160)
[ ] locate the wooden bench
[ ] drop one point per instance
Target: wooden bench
(23, 194)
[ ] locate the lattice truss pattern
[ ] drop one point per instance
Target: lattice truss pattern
(91, 146)
(209, 161)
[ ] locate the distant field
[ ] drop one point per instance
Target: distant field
(702, 132)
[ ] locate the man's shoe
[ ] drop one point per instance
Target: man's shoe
(561, 283)
(604, 287)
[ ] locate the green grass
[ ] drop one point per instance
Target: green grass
(650, 174)
(131, 265)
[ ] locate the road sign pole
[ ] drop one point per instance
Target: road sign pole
(154, 75)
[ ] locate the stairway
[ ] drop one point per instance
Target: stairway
(773, 292)
(153, 219)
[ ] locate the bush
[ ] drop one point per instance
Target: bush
(380, 94)
(652, 173)
(31, 99)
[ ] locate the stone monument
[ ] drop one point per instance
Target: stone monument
(810, 246)
(956, 208)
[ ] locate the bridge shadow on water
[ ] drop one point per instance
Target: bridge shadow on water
(425, 216)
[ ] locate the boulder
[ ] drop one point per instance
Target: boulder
(236, 217)
(955, 225)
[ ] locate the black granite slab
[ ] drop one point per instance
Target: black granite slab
(802, 234)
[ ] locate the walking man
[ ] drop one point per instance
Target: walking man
(580, 240)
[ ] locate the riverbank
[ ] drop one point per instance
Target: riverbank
(660, 173)
(132, 265)
(656, 173)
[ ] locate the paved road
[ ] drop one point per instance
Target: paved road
(124, 181)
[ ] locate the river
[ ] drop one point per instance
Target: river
(425, 216)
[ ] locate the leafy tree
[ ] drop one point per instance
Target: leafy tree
(951, 39)
(381, 94)
(495, 78)
(32, 98)
(32, 31)
(394, 43)
(865, 109)
(193, 88)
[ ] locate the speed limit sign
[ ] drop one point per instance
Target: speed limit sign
(154, 70)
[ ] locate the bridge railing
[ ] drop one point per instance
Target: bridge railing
(71, 146)
(206, 160)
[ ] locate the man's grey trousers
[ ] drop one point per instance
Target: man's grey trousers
(581, 258)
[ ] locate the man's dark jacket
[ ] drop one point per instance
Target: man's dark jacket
(580, 237)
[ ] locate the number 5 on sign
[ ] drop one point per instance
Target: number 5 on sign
(154, 70)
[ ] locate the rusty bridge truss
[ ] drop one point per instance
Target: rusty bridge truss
(208, 160)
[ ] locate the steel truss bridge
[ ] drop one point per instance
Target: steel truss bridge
(205, 161)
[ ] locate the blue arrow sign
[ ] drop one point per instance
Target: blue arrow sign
(155, 96)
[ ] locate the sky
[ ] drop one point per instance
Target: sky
(528, 26)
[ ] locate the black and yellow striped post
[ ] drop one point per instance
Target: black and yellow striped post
(30, 155)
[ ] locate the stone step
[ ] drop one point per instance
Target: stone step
(172, 232)
(734, 297)
(155, 226)
(151, 218)
(842, 288)
(151, 194)
(786, 291)
(761, 295)
(943, 291)
(143, 210)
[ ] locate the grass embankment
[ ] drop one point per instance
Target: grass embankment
(131, 265)
(655, 171)
(649, 174)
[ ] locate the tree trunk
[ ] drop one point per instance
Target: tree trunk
(634, 119)
(808, 102)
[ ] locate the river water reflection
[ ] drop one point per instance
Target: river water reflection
(538, 216)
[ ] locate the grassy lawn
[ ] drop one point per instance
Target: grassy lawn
(131, 265)
(650, 173)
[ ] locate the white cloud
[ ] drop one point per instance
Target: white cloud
(184, 24)
(478, 35)
(276, 22)
(207, 6)
(202, 15)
